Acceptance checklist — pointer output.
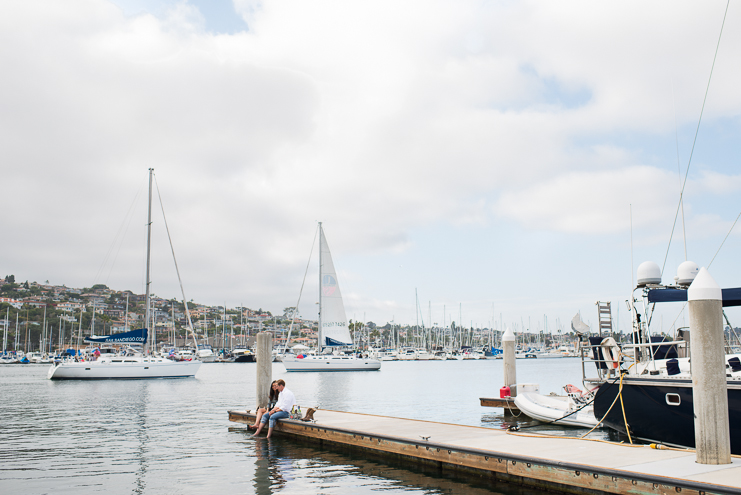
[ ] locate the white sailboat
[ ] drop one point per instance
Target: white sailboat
(131, 363)
(334, 332)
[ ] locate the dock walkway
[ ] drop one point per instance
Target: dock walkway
(563, 464)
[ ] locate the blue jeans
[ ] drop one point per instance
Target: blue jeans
(273, 418)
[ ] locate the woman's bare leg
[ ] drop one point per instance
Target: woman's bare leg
(258, 416)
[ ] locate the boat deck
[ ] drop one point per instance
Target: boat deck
(562, 464)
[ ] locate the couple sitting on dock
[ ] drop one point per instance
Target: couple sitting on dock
(280, 402)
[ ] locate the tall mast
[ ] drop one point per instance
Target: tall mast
(5, 334)
(149, 242)
(321, 244)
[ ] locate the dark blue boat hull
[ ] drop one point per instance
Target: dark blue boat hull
(650, 416)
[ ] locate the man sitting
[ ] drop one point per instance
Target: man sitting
(286, 401)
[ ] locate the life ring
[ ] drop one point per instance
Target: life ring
(611, 352)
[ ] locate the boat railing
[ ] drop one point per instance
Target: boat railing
(602, 356)
(610, 359)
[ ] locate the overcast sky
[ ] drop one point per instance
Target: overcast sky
(484, 154)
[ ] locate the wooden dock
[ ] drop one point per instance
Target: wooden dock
(556, 463)
(507, 403)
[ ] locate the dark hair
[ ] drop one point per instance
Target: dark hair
(280, 382)
(273, 393)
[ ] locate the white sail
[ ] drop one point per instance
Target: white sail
(333, 329)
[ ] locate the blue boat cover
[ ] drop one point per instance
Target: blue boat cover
(131, 337)
(328, 341)
(731, 297)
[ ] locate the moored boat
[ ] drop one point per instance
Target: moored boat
(134, 361)
(651, 377)
(333, 331)
(573, 409)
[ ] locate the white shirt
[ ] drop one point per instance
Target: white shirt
(286, 400)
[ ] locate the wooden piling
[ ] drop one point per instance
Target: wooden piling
(510, 368)
(264, 361)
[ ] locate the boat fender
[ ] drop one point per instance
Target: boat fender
(611, 352)
(504, 392)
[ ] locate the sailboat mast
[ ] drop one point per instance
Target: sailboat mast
(149, 243)
(319, 330)
(321, 243)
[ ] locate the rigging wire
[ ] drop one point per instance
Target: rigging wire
(120, 245)
(172, 248)
(679, 168)
(117, 239)
(724, 239)
(301, 291)
(694, 141)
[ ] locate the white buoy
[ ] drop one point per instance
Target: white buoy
(264, 358)
(510, 372)
(709, 386)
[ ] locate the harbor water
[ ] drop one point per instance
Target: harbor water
(173, 436)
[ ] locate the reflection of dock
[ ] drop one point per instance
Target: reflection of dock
(562, 464)
(508, 403)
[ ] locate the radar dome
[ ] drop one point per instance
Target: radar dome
(648, 273)
(687, 272)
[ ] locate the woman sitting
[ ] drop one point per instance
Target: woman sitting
(272, 399)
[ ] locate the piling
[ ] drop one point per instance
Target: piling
(510, 372)
(264, 360)
(709, 387)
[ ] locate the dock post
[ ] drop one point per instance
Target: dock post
(510, 372)
(709, 387)
(264, 358)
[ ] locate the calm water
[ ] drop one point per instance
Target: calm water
(174, 437)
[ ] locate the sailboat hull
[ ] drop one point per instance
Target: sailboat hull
(651, 416)
(125, 368)
(330, 363)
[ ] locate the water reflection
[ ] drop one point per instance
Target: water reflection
(141, 400)
(289, 466)
(173, 436)
(268, 469)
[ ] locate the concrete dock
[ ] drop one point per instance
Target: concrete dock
(562, 464)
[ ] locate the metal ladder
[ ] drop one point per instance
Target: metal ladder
(604, 314)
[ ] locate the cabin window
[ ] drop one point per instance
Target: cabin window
(116, 361)
(130, 361)
(673, 399)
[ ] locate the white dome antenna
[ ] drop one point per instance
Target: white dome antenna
(648, 273)
(687, 272)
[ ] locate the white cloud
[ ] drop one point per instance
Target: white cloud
(593, 202)
(718, 183)
(376, 117)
